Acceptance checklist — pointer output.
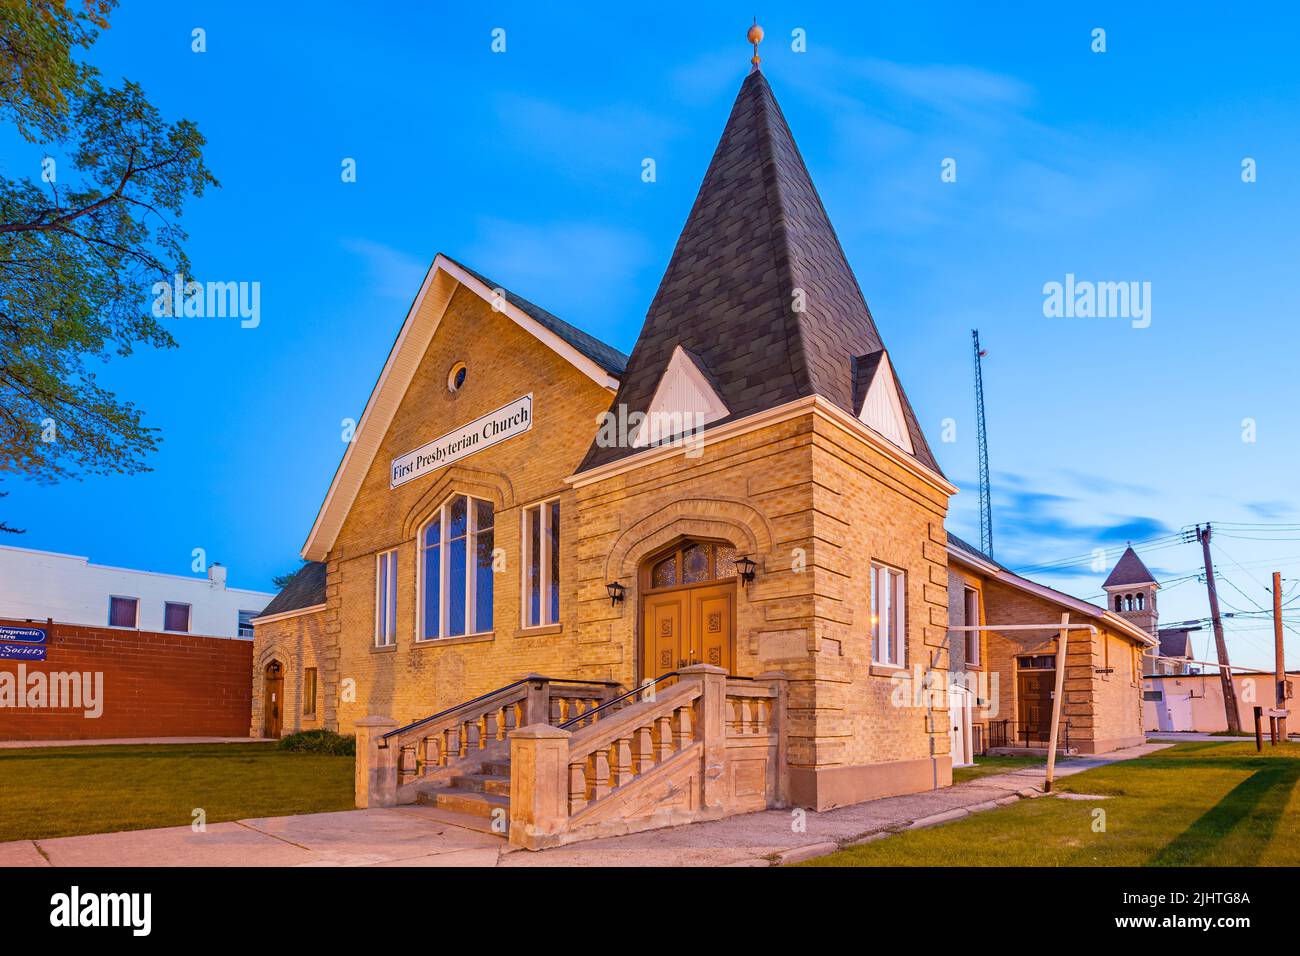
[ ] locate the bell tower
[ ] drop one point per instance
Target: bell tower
(1131, 591)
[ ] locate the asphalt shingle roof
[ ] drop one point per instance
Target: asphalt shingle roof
(1129, 569)
(756, 236)
(305, 589)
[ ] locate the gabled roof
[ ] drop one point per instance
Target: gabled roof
(970, 555)
(758, 286)
(1129, 570)
(1176, 641)
(305, 589)
(599, 362)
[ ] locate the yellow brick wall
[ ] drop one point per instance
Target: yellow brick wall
(504, 362)
(297, 643)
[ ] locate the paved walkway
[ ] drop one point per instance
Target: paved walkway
(24, 744)
(417, 836)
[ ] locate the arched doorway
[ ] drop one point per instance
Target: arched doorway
(273, 699)
(688, 607)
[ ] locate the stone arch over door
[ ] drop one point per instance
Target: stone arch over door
(718, 519)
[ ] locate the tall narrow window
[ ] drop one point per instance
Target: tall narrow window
(123, 611)
(309, 691)
(972, 599)
(386, 599)
(542, 564)
(176, 617)
(888, 615)
(456, 569)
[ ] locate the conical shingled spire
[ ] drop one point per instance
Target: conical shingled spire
(1129, 569)
(756, 235)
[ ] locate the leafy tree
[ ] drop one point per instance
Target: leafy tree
(81, 248)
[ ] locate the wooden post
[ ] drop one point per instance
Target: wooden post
(1259, 731)
(1279, 656)
(1062, 640)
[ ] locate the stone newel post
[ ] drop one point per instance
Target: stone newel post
(712, 731)
(376, 767)
(539, 785)
(779, 681)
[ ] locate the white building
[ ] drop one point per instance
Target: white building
(39, 585)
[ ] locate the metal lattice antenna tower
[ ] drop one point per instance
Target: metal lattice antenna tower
(981, 433)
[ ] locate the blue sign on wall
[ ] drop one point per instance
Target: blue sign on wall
(22, 643)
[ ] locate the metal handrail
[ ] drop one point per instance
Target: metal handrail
(624, 696)
(482, 697)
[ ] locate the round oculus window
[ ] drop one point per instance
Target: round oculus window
(456, 377)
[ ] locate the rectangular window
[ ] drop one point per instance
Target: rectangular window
(123, 611)
(176, 617)
(386, 599)
(456, 563)
(309, 691)
(972, 609)
(1037, 662)
(888, 616)
(246, 623)
(541, 564)
(1153, 695)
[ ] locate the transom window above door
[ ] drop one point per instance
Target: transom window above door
(693, 562)
(456, 569)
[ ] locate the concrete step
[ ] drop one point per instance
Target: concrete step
(467, 801)
(466, 821)
(498, 768)
(483, 783)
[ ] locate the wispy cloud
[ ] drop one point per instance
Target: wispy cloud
(614, 136)
(393, 274)
(1269, 510)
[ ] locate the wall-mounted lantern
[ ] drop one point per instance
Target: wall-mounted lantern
(616, 593)
(745, 567)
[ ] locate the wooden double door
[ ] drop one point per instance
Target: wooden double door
(688, 625)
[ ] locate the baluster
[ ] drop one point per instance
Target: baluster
(563, 705)
(577, 786)
(422, 756)
(519, 715)
(664, 738)
(643, 755)
(447, 745)
(500, 715)
(600, 774)
(748, 716)
(683, 735)
(462, 732)
(622, 759)
(481, 727)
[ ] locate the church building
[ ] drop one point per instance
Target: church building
(587, 592)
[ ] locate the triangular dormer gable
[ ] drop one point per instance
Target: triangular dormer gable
(877, 400)
(684, 401)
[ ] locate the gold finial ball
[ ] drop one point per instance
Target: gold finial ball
(755, 34)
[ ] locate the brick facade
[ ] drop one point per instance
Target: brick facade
(298, 643)
(154, 685)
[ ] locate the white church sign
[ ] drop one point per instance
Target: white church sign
(491, 429)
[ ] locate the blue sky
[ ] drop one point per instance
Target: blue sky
(1115, 166)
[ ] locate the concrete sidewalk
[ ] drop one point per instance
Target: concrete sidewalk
(416, 836)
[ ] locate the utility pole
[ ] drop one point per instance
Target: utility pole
(1280, 656)
(1225, 670)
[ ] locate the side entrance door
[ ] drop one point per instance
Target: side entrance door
(1035, 707)
(959, 707)
(692, 625)
(273, 703)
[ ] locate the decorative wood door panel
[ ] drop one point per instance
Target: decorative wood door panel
(693, 625)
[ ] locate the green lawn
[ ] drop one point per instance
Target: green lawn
(62, 791)
(988, 766)
(1195, 804)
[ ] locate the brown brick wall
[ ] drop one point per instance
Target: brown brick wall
(154, 685)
